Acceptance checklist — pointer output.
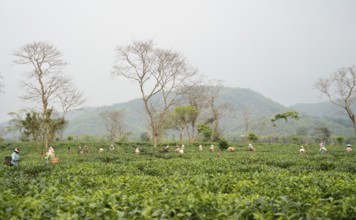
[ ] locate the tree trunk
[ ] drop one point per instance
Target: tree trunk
(215, 129)
(351, 116)
(155, 140)
(188, 134)
(272, 134)
(194, 137)
(181, 133)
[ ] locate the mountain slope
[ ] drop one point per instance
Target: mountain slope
(260, 110)
(322, 109)
(257, 104)
(88, 122)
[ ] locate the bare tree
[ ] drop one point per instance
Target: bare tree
(114, 123)
(71, 99)
(217, 110)
(46, 83)
(246, 112)
(262, 125)
(158, 73)
(340, 88)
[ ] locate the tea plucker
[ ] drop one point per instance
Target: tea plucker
(15, 157)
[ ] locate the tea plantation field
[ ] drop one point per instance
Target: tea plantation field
(273, 183)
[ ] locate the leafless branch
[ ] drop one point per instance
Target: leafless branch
(340, 89)
(114, 123)
(158, 73)
(46, 84)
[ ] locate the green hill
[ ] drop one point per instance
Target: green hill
(89, 122)
(261, 109)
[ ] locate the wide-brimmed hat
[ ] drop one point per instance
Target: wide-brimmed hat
(349, 145)
(17, 150)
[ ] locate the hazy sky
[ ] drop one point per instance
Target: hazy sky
(276, 47)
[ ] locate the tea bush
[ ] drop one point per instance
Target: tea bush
(276, 182)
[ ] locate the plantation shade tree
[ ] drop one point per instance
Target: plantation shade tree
(45, 84)
(182, 117)
(321, 133)
(340, 88)
(36, 128)
(159, 73)
(217, 110)
(246, 112)
(196, 96)
(114, 123)
(285, 116)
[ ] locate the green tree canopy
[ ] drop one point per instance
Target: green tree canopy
(285, 116)
(206, 131)
(38, 127)
(182, 118)
(252, 137)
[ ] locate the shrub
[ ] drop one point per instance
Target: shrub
(340, 140)
(145, 137)
(205, 131)
(252, 137)
(294, 139)
(223, 144)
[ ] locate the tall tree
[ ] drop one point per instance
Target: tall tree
(246, 112)
(285, 116)
(196, 96)
(183, 116)
(302, 134)
(40, 127)
(114, 123)
(340, 88)
(205, 131)
(217, 109)
(46, 84)
(34, 126)
(321, 133)
(159, 73)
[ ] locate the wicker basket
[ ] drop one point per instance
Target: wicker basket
(54, 160)
(7, 160)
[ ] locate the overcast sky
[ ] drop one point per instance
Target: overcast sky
(278, 48)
